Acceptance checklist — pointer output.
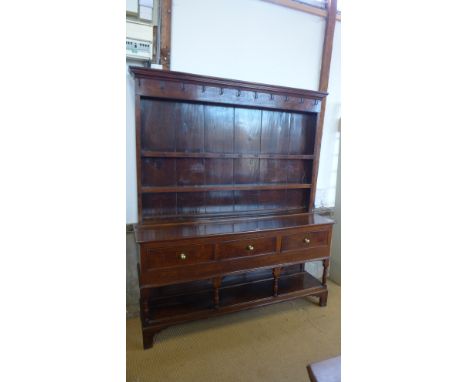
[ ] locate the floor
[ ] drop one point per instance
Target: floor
(273, 343)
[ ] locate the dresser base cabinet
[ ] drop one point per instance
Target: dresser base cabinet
(226, 180)
(229, 272)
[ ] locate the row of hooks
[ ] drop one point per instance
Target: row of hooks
(238, 93)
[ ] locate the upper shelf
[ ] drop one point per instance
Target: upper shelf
(192, 87)
(175, 154)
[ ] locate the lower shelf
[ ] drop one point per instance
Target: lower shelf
(233, 297)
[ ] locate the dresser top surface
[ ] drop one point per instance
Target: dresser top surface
(203, 228)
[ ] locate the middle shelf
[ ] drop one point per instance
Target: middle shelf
(180, 154)
(226, 187)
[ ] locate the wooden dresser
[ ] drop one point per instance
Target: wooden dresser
(227, 173)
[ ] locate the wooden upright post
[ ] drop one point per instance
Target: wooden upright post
(323, 87)
(166, 24)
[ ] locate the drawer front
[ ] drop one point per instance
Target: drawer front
(304, 240)
(247, 247)
(174, 275)
(162, 257)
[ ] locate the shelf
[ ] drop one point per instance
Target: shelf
(193, 218)
(174, 154)
(246, 293)
(226, 187)
(203, 286)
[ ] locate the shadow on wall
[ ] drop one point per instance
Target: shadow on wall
(133, 294)
(335, 260)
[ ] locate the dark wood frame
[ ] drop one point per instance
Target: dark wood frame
(303, 7)
(298, 6)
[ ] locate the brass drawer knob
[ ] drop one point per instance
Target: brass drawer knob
(250, 247)
(183, 256)
(307, 240)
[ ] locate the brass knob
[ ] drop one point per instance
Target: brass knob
(307, 240)
(250, 247)
(183, 256)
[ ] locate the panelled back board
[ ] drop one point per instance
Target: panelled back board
(212, 152)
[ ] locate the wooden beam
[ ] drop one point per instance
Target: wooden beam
(300, 7)
(323, 87)
(328, 46)
(166, 22)
(155, 37)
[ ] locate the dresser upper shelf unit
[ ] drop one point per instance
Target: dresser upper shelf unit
(209, 146)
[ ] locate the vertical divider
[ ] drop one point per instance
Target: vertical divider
(259, 160)
(176, 194)
(233, 143)
(289, 151)
(204, 159)
(233, 160)
(138, 149)
(216, 285)
(276, 275)
(278, 244)
(177, 108)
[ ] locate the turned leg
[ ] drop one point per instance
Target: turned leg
(276, 275)
(326, 264)
(216, 286)
(144, 305)
(323, 299)
(145, 310)
(324, 295)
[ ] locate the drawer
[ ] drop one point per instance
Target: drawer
(247, 247)
(175, 275)
(304, 240)
(161, 257)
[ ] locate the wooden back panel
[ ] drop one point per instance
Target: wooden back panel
(214, 147)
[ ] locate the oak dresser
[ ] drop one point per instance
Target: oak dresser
(227, 173)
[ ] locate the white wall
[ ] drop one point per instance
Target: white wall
(335, 261)
(249, 40)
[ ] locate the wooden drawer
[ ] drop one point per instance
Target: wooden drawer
(162, 257)
(247, 247)
(174, 275)
(304, 240)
